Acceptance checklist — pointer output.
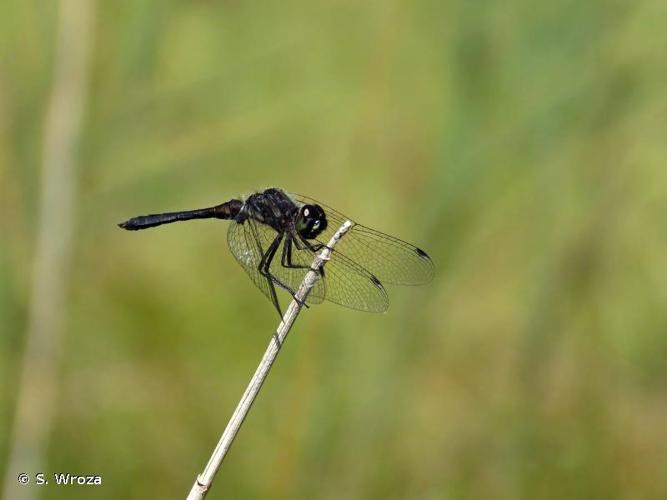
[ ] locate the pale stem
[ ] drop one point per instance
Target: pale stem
(205, 479)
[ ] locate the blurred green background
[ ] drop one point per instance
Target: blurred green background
(521, 144)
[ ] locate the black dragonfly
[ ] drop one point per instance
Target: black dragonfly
(274, 222)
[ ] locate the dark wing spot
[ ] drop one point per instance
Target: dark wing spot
(376, 282)
(421, 253)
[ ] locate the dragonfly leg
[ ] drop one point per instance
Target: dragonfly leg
(263, 265)
(302, 244)
(265, 269)
(286, 262)
(286, 259)
(315, 247)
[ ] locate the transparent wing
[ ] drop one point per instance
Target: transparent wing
(390, 259)
(344, 282)
(350, 285)
(248, 253)
(250, 241)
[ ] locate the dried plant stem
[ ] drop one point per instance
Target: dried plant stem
(53, 248)
(205, 479)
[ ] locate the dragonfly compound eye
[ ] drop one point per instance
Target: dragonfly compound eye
(311, 221)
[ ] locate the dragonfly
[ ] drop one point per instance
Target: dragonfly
(274, 236)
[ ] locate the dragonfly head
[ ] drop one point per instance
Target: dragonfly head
(311, 221)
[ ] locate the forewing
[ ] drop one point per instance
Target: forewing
(390, 259)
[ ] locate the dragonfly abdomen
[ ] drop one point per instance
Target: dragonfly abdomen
(227, 211)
